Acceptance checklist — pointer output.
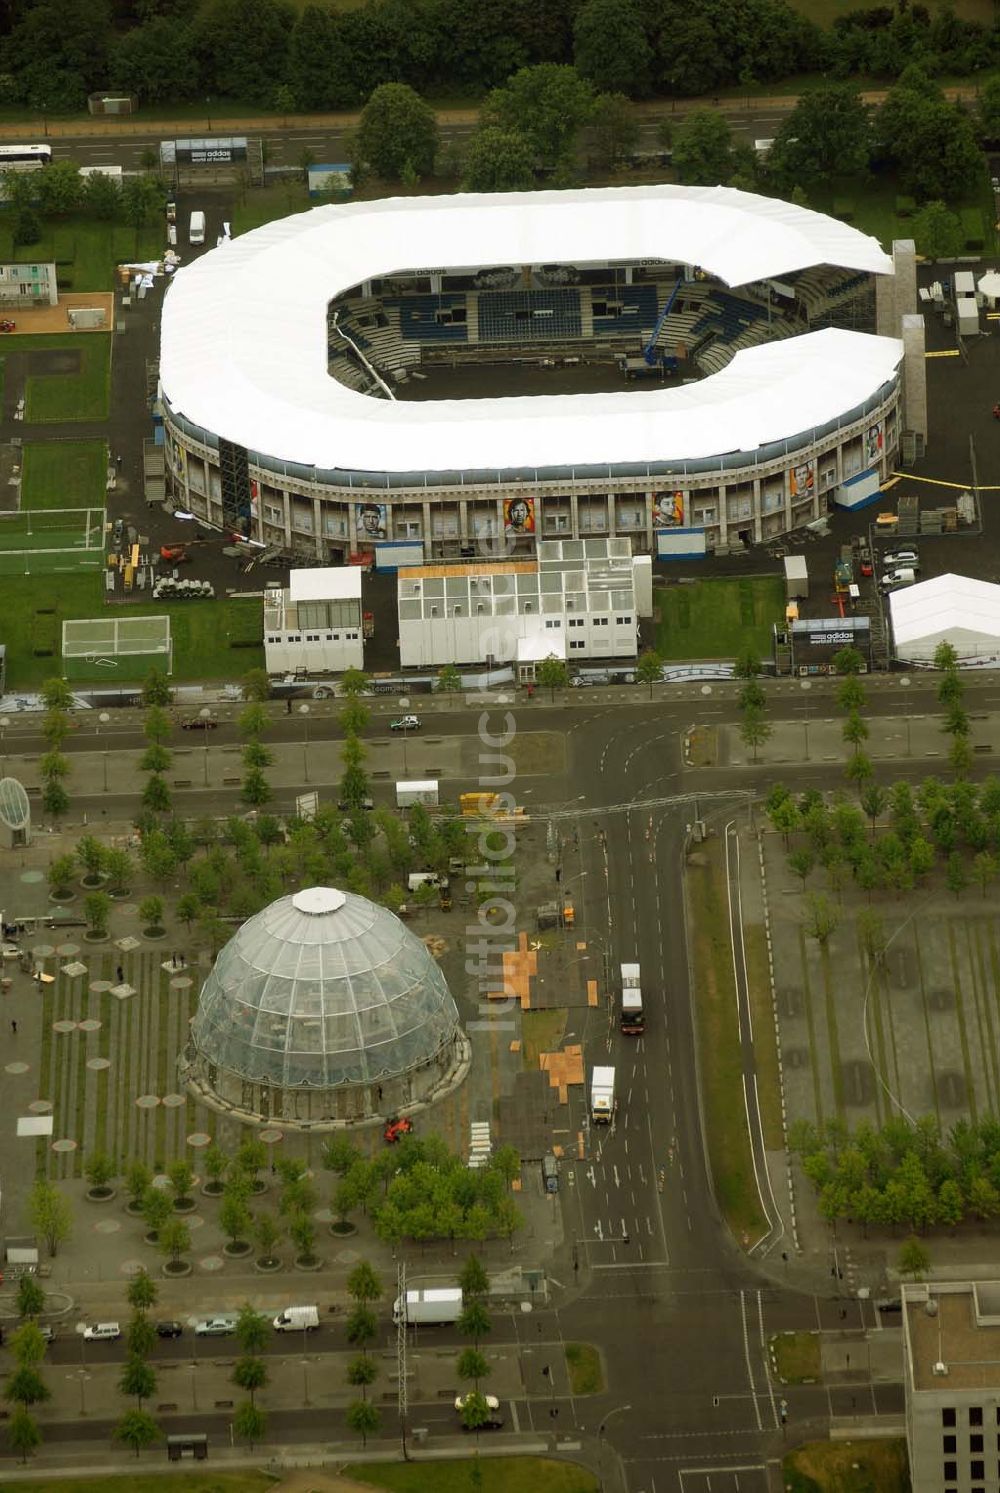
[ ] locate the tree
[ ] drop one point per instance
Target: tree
(55, 799)
(874, 800)
(398, 133)
(235, 1219)
(267, 1231)
(138, 1379)
(25, 1386)
(61, 874)
(137, 1428)
(156, 795)
(553, 674)
(354, 682)
(610, 48)
(547, 104)
(151, 913)
(256, 790)
(340, 1154)
(472, 1365)
(174, 1239)
(649, 669)
(449, 680)
(956, 878)
(946, 656)
(361, 1326)
(56, 694)
(118, 865)
(97, 911)
(785, 818)
(800, 863)
(250, 1423)
(984, 869)
(155, 758)
(142, 1292)
(253, 1329)
(99, 1171)
(181, 1175)
(361, 1372)
(499, 160)
(27, 1344)
(30, 1297)
(754, 730)
(930, 140)
(859, 769)
(256, 685)
(140, 1336)
(703, 149)
(937, 231)
(827, 134)
(353, 717)
(854, 730)
(913, 1259)
(303, 1233)
(364, 1418)
(614, 130)
(138, 1177)
(23, 1435)
(156, 691)
(747, 664)
(156, 61)
(156, 1210)
(50, 1214)
(364, 1284)
(474, 1321)
(473, 1280)
(821, 918)
(53, 765)
(250, 1373)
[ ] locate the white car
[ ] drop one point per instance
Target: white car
(215, 1327)
(492, 1403)
(102, 1332)
(901, 558)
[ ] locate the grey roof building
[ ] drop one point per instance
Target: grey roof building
(324, 1009)
(951, 1345)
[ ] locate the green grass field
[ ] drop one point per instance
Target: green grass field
(718, 619)
(64, 474)
(873, 208)
(69, 396)
(200, 630)
(140, 1481)
(847, 1467)
(496, 1475)
(85, 252)
(268, 203)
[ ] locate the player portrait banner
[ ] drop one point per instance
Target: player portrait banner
(802, 479)
(873, 443)
(372, 521)
(668, 510)
(518, 516)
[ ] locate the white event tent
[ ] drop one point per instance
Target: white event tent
(948, 609)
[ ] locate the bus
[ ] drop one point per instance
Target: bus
(25, 157)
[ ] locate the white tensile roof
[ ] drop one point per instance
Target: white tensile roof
(950, 608)
(325, 583)
(244, 337)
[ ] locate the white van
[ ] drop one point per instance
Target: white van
(196, 229)
(297, 1319)
(894, 580)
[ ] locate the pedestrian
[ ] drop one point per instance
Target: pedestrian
(121, 975)
(996, 412)
(13, 1028)
(118, 461)
(380, 1093)
(288, 705)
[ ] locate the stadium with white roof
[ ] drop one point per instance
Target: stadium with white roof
(749, 357)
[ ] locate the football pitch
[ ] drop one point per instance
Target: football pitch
(48, 541)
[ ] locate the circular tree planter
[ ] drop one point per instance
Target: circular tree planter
(185, 1205)
(66, 896)
(95, 935)
(237, 1249)
(133, 1209)
(152, 1238)
(176, 1269)
(257, 1186)
(267, 1267)
(93, 883)
(342, 1229)
(119, 893)
(154, 933)
(308, 1263)
(212, 1189)
(101, 1194)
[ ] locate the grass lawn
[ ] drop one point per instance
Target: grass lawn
(796, 1356)
(156, 1482)
(200, 629)
(873, 208)
(497, 1475)
(264, 205)
(68, 396)
(541, 1031)
(719, 1047)
(765, 1043)
(85, 252)
(584, 1363)
(718, 619)
(64, 474)
(847, 1467)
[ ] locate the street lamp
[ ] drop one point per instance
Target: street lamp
(205, 715)
(4, 723)
(304, 713)
(102, 720)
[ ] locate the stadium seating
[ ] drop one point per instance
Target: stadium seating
(639, 308)
(529, 316)
(420, 318)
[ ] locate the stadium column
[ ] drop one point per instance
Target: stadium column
(914, 375)
(318, 527)
(611, 515)
(574, 514)
(427, 530)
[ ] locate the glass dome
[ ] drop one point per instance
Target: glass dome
(15, 810)
(323, 988)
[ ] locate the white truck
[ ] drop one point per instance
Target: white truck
(196, 228)
(602, 1096)
(297, 1319)
(633, 1020)
(436, 1306)
(417, 791)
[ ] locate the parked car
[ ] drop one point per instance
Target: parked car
(215, 1327)
(492, 1403)
(168, 1329)
(102, 1332)
(908, 558)
(344, 807)
(199, 723)
(493, 1423)
(48, 1331)
(405, 723)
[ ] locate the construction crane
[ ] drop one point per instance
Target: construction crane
(649, 351)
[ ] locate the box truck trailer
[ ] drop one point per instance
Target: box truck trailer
(436, 1307)
(602, 1096)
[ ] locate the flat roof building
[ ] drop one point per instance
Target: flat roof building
(951, 1344)
(577, 600)
(315, 626)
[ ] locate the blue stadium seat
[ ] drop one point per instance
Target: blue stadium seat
(638, 308)
(425, 318)
(529, 315)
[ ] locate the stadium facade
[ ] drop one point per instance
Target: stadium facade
(783, 346)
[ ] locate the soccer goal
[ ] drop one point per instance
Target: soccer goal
(116, 647)
(46, 540)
